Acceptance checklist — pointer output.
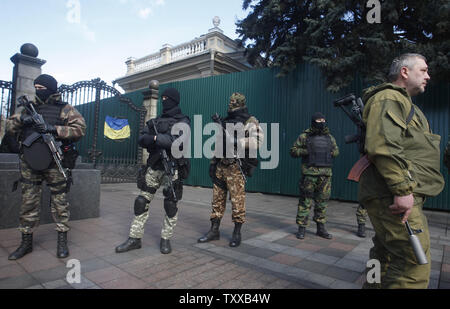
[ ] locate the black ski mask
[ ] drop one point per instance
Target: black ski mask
(47, 81)
(318, 125)
(173, 99)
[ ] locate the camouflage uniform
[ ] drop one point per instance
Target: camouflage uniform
(228, 172)
(156, 142)
(361, 214)
(74, 129)
(315, 184)
(154, 179)
(405, 159)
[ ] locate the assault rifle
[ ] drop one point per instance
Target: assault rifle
(216, 118)
(353, 108)
(53, 145)
(168, 166)
(355, 115)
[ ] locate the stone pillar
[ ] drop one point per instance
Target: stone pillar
(130, 65)
(151, 105)
(165, 52)
(26, 68)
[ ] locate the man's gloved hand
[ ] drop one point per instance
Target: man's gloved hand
(26, 120)
(146, 140)
(43, 128)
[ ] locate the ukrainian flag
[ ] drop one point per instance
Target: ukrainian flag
(116, 128)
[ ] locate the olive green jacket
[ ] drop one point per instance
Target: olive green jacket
(405, 158)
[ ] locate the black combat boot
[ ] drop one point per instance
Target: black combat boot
(361, 230)
(322, 232)
(301, 232)
(130, 244)
(213, 233)
(62, 251)
(25, 247)
(236, 238)
(164, 246)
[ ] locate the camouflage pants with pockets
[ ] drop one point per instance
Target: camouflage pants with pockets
(232, 177)
(31, 183)
(154, 179)
(315, 189)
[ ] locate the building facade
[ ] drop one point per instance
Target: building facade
(211, 54)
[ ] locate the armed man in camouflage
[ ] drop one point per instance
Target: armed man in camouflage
(317, 147)
(154, 176)
(404, 170)
(226, 172)
(67, 125)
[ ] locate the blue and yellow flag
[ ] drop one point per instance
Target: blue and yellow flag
(116, 128)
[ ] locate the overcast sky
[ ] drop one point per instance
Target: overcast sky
(82, 39)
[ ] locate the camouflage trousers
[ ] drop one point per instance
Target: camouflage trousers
(31, 183)
(361, 214)
(315, 189)
(232, 177)
(154, 179)
(399, 268)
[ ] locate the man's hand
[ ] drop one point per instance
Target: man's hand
(45, 128)
(402, 205)
(26, 120)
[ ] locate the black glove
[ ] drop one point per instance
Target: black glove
(146, 140)
(43, 128)
(26, 120)
(51, 129)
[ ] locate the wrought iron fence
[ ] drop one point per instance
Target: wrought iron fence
(118, 160)
(5, 103)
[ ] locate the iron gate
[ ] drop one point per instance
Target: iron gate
(118, 160)
(5, 103)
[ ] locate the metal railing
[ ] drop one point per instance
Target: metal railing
(5, 103)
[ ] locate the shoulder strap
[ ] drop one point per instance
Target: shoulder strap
(411, 115)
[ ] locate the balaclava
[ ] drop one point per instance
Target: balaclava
(318, 125)
(49, 82)
(173, 99)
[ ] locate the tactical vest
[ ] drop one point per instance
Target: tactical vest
(164, 126)
(36, 153)
(319, 151)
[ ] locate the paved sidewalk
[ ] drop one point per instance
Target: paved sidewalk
(270, 256)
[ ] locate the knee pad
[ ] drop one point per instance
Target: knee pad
(170, 207)
(139, 205)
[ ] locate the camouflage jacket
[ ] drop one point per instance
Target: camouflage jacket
(74, 129)
(299, 149)
(405, 157)
(252, 139)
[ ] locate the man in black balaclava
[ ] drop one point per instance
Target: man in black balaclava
(153, 176)
(67, 125)
(317, 148)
